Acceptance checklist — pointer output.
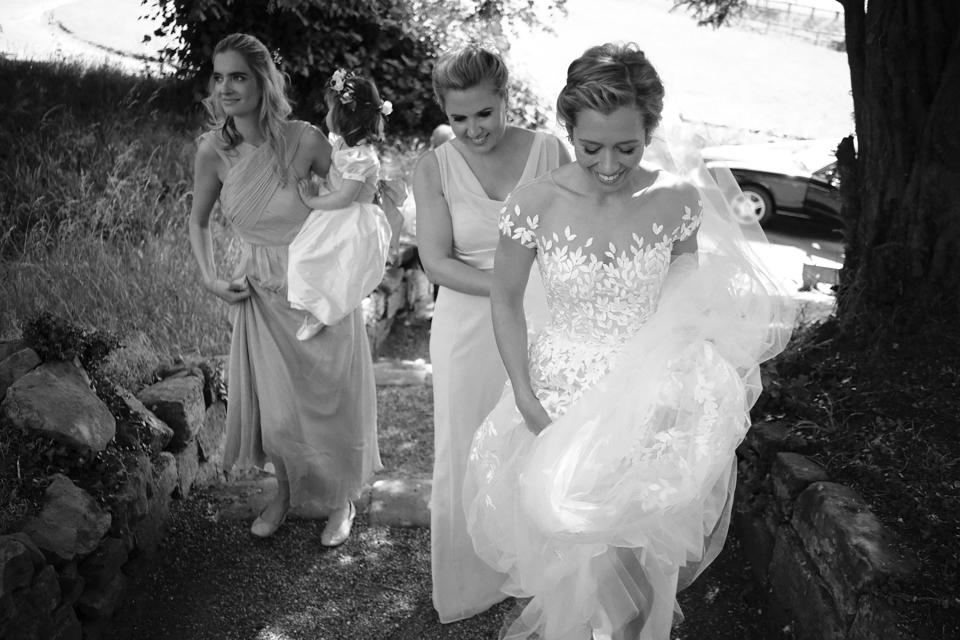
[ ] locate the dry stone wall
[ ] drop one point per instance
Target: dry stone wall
(63, 572)
(815, 544)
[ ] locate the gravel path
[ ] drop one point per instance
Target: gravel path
(212, 580)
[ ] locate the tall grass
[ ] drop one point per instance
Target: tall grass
(95, 177)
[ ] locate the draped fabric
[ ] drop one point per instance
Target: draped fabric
(308, 405)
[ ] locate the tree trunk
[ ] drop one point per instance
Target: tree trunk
(901, 189)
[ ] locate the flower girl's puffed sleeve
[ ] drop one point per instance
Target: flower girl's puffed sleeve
(517, 226)
(357, 163)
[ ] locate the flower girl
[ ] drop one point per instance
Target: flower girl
(339, 254)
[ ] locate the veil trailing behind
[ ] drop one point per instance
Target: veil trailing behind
(625, 498)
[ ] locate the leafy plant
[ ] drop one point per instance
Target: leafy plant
(392, 41)
(54, 338)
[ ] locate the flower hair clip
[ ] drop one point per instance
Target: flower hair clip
(338, 82)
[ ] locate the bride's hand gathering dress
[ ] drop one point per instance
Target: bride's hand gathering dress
(648, 370)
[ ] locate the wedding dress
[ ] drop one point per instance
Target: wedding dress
(648, 369)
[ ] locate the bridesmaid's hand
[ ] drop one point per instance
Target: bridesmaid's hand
(534, 415)
(231, 292)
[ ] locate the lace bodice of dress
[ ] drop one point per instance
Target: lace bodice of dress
(598, 298)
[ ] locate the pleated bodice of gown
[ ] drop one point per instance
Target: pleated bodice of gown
(309, 406)
(468, 377)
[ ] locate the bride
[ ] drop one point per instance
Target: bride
(602, 481)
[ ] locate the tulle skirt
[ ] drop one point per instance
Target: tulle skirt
(625, 498)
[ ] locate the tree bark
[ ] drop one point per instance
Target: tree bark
(901, 194)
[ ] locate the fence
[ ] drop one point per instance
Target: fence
(818, 25)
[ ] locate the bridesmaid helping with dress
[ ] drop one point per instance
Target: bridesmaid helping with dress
(308, 407)
(459, 189)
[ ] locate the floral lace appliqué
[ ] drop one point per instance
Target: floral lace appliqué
(598, 298)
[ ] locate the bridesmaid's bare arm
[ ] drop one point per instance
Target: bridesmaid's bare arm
(206, 190)
(435, 234)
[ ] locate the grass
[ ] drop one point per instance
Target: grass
(97, 191)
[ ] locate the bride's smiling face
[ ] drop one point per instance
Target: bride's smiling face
(609, 147)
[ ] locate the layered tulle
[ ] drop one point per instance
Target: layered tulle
(625, 498)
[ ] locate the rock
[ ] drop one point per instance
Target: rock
(15, 366)
(800, 590)
(179, 403)
(188, 465)
(132, 500)
(70, 524)
(38, 558)
(64, 624)
(394, 287)
(419, 293)
(395, 372)
(876, 620)
(19, 619)
(847, 542)
(400, 502)
(99, 568)
(165, 474)
(16, 565)
(101, 602)
(45, 590)
(757, 542)
(790, 474)
(10, 347)
(407, 253)
(212, 438)
(71, 583)
(374, 307)
(148, 429)
(211, 443)
(56, 399)
(378, 334)
(765, 439)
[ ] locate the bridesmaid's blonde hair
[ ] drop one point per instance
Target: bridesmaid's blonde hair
(468, 67)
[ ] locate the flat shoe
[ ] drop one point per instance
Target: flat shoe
(264, 528)
(338, 529)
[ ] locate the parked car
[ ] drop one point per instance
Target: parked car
(796, 178)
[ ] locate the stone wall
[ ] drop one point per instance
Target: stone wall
(64, 572)
(815, 544)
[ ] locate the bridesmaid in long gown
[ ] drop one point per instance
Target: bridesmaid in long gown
(308, 407)
(459, 189)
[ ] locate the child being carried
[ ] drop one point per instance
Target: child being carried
(338, 256)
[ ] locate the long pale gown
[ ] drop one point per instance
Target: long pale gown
(310, 405)
(625, 497)
(468, 378)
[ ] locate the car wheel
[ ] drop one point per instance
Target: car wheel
(758, 205)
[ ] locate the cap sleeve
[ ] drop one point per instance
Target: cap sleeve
(514, 225)
(357, 163)
(690, 219)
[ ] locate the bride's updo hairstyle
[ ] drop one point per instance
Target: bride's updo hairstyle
(466, 68)
(608, 77)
